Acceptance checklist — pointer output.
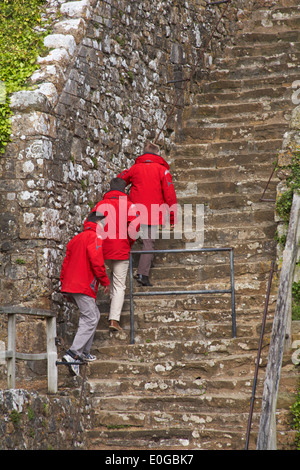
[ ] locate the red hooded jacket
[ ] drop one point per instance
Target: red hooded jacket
(83, 267)
(152, 189)
(122, 224)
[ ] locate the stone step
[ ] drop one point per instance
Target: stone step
(227, 148)
(274, 36)
(288, 43)
(205, 159)
(225, 84)
(250, 74)
(169, 387)
(233, 180)
(241, 96)
(225, 402)
(171, 438)
(248, 183)
(272, 23)
(223, 134)
(157, 419)
(228, 201)
(240, 365)
(215, 114)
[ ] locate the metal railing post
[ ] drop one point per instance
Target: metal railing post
(131, 300)
(11, 351)
(182, 292)
(233, 313)
(11, 354)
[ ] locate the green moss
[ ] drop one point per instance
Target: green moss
(20, 45)
(284, 202)
(296, 301)
(295, 410)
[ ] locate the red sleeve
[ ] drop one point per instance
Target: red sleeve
(170, 196)
(125, 175)
(95, 254)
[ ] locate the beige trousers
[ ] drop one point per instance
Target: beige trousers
(118, 269)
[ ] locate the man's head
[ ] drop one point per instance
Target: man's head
(149, 147)
(117, 184)
(97, 218)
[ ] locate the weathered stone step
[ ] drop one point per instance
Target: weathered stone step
(248, 183)
(144, 386)
(221, 111)
(156, 419)
(227, 148)
(197, 273)
(265, 93)
(241, 364)
(158, 343)
(223, 134)
(274, 36)
(225, 402)
(251, 76)
(249, 83)
(232, 180)
(215, 113)
(289, 44)
(206, 160)
(167, 439)
(228, 201)
(277, 12)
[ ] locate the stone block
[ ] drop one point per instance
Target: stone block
(76, 27)
(59, 57)
(25, 101)
(79, 9)
(33, 124)
(57, 41)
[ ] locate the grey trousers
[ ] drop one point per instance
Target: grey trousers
(88, 321)
(149, 235)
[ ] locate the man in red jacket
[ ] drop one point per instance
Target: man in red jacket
(153, 193)
(120, 232)
(82, 270)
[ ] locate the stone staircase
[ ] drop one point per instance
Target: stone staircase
(186, 383)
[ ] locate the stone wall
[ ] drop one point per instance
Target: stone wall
(102, 89)
(100, 92)
(30, 421)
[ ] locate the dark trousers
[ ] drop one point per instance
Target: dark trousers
(149, 234)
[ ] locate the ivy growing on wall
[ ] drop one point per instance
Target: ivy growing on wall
(21, 41)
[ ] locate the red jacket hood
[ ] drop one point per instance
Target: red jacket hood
(92, 226)
(152, 158)
(114, 194)
(89, 225)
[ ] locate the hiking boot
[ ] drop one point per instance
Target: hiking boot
(143, 280)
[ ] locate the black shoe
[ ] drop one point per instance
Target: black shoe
(143, 280)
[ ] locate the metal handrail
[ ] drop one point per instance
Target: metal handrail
(182, 292)
(262, 331)
(11, 354)
(281, 332)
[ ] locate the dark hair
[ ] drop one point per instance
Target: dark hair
(117, 184)
(95, 217)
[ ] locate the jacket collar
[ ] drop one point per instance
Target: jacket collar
(152, 158)
(114, 194)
